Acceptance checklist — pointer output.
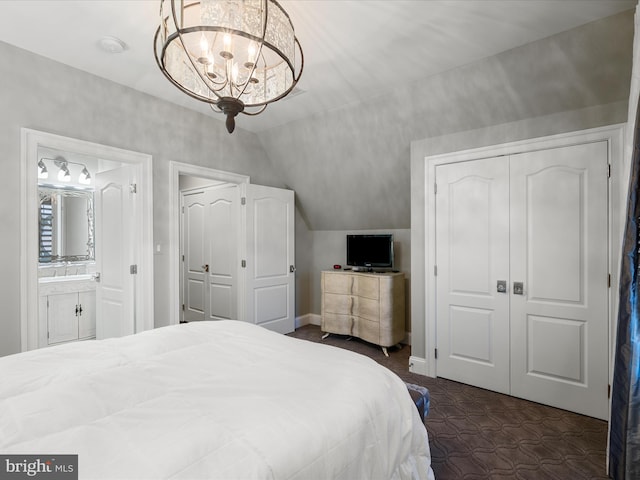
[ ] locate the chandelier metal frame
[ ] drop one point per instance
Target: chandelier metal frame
(225, 95)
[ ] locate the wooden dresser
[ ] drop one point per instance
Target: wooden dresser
(369, 306)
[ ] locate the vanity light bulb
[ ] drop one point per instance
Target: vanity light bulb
(85, 177)
(43, 173)
(64, 175)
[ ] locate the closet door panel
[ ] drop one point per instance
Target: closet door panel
(472, 245)
(559, 324)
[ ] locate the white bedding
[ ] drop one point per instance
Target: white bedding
(212, 400)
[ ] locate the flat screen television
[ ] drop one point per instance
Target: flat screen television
(371, 251)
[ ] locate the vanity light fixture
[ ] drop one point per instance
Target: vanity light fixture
(64, 175)
(230, 54)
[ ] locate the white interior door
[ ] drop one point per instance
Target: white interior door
(270, 258)
(472, 245)
(194, 289)
(115, 213)
(559, 324)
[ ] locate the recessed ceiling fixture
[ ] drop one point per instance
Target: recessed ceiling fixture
(112, 45)
(231, 54)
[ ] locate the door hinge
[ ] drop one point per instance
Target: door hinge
(609, 170)
(133, 188)
(182, 209)
(183, 258)
(243, 201)
(609, 391)
(183, 307)
(609, 281)
(435, 270)
(435, 188)
(133, 269)
(243, 264)
(436, 352)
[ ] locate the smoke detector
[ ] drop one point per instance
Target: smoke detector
(112, 45)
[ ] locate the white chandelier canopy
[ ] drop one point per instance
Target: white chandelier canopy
(230, 54)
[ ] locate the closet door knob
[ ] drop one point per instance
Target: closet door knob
(501, 286)
(205, 267)
(518, 288)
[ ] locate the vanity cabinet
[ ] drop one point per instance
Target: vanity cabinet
(71, 316)
(370, 306)
(67, 311)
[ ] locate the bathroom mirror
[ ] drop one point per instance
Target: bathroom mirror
(65, 225)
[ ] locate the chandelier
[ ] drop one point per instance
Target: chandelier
(231, 54)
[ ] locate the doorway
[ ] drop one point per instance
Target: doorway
(185, 177)
(142, 302)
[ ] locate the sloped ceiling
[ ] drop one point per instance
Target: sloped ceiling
(378, 74)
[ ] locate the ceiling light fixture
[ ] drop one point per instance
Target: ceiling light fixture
(231, 54)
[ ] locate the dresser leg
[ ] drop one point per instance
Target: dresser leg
(384, 350)
(325, 335)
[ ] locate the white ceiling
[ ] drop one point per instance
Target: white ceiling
(354, 50)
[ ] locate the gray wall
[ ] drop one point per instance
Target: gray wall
(44, 95)
(350, 167)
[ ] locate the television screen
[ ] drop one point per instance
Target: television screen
(370, 250)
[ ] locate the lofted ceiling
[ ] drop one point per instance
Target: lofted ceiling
(355, 50)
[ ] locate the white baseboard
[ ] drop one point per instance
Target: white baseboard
(418, 365)
(308, 319)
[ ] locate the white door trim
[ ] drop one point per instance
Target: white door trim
(31, 140)
(612, 134)
(175, 170)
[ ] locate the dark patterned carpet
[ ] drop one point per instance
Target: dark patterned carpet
(477, 434)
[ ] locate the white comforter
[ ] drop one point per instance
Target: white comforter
(212, 400)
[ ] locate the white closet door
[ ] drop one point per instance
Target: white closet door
(472, 255)
(559, 237)
(210, 222)
(270, 258)
(221, 242)
(194, 251)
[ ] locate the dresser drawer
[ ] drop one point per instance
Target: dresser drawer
(351, 305)
(347, 283)
(366, 330)
(334, 303)
(336, 323)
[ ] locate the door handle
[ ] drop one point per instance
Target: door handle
(96, 277)
(518, 288)
(501, 286)
(206, 267)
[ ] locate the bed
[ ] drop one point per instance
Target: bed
(212, 400)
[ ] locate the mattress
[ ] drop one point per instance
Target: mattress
(212, 400)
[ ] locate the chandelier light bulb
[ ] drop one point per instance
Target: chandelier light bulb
(251, 55)
(204, 50)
